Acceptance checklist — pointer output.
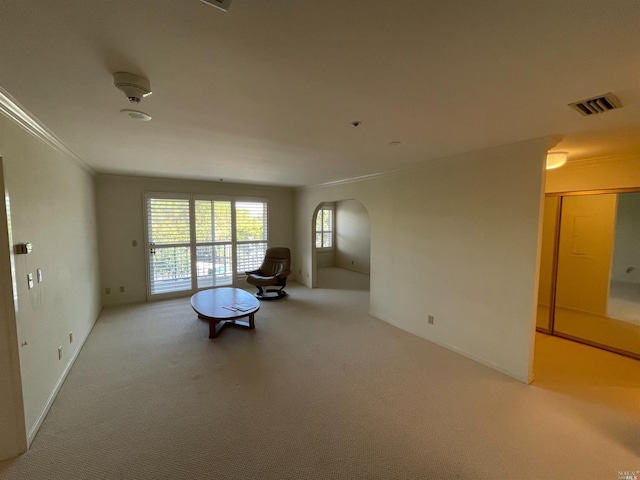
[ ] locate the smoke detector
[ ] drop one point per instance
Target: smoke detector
(133, 86)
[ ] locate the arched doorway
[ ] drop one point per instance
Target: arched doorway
(341, 245)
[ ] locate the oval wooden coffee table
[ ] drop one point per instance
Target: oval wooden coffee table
(225, 305)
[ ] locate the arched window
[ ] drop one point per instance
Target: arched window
(325, 227)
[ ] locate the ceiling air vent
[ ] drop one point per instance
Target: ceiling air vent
(594, 105)
(221, 4)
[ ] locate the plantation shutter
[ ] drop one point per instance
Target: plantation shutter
(169, 236)
(214, 265)
(324, 228)
(251, 234)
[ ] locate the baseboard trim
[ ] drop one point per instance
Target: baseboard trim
(351, 269)
(457, 350)
(54, 393)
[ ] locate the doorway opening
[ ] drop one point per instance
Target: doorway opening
(341, 246)
(590, 270)
(589, 296)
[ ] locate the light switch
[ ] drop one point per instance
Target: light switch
(39, 275)
(30, 280)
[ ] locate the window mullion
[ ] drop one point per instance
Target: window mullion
(234, 243)
(192, 243)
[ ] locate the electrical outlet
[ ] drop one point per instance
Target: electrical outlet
(59, 353)
(107, 291)
(39, 275)
(430, 319)
(70, 337)
(122, 289)
(30, 280)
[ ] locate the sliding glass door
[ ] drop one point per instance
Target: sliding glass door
(197, 241)
(214, 242)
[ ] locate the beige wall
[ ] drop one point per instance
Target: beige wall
(457, 239)
(353, 236)
(325, 258)
(53, 207)
(120, 220)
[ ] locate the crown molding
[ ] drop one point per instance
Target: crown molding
(13, 110)
(346, 180)
(578, 162)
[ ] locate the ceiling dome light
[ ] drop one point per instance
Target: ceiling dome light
(556, 160)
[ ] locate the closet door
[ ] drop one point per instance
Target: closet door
(585, 271)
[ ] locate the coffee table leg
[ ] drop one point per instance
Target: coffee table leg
(214, 327)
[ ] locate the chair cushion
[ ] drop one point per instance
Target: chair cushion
(260, 281)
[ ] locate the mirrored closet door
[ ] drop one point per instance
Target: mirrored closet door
(590, 270)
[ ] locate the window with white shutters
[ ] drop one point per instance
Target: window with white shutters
(197, 241)
(169, 243)
(251, 234)
(324, 227)
(214, 242)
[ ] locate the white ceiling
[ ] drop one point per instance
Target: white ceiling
(266, 92)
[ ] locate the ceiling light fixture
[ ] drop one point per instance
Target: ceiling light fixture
(136, 115)
(556, 160)
(394, 144)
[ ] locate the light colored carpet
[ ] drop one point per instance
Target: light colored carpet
(319, 390)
